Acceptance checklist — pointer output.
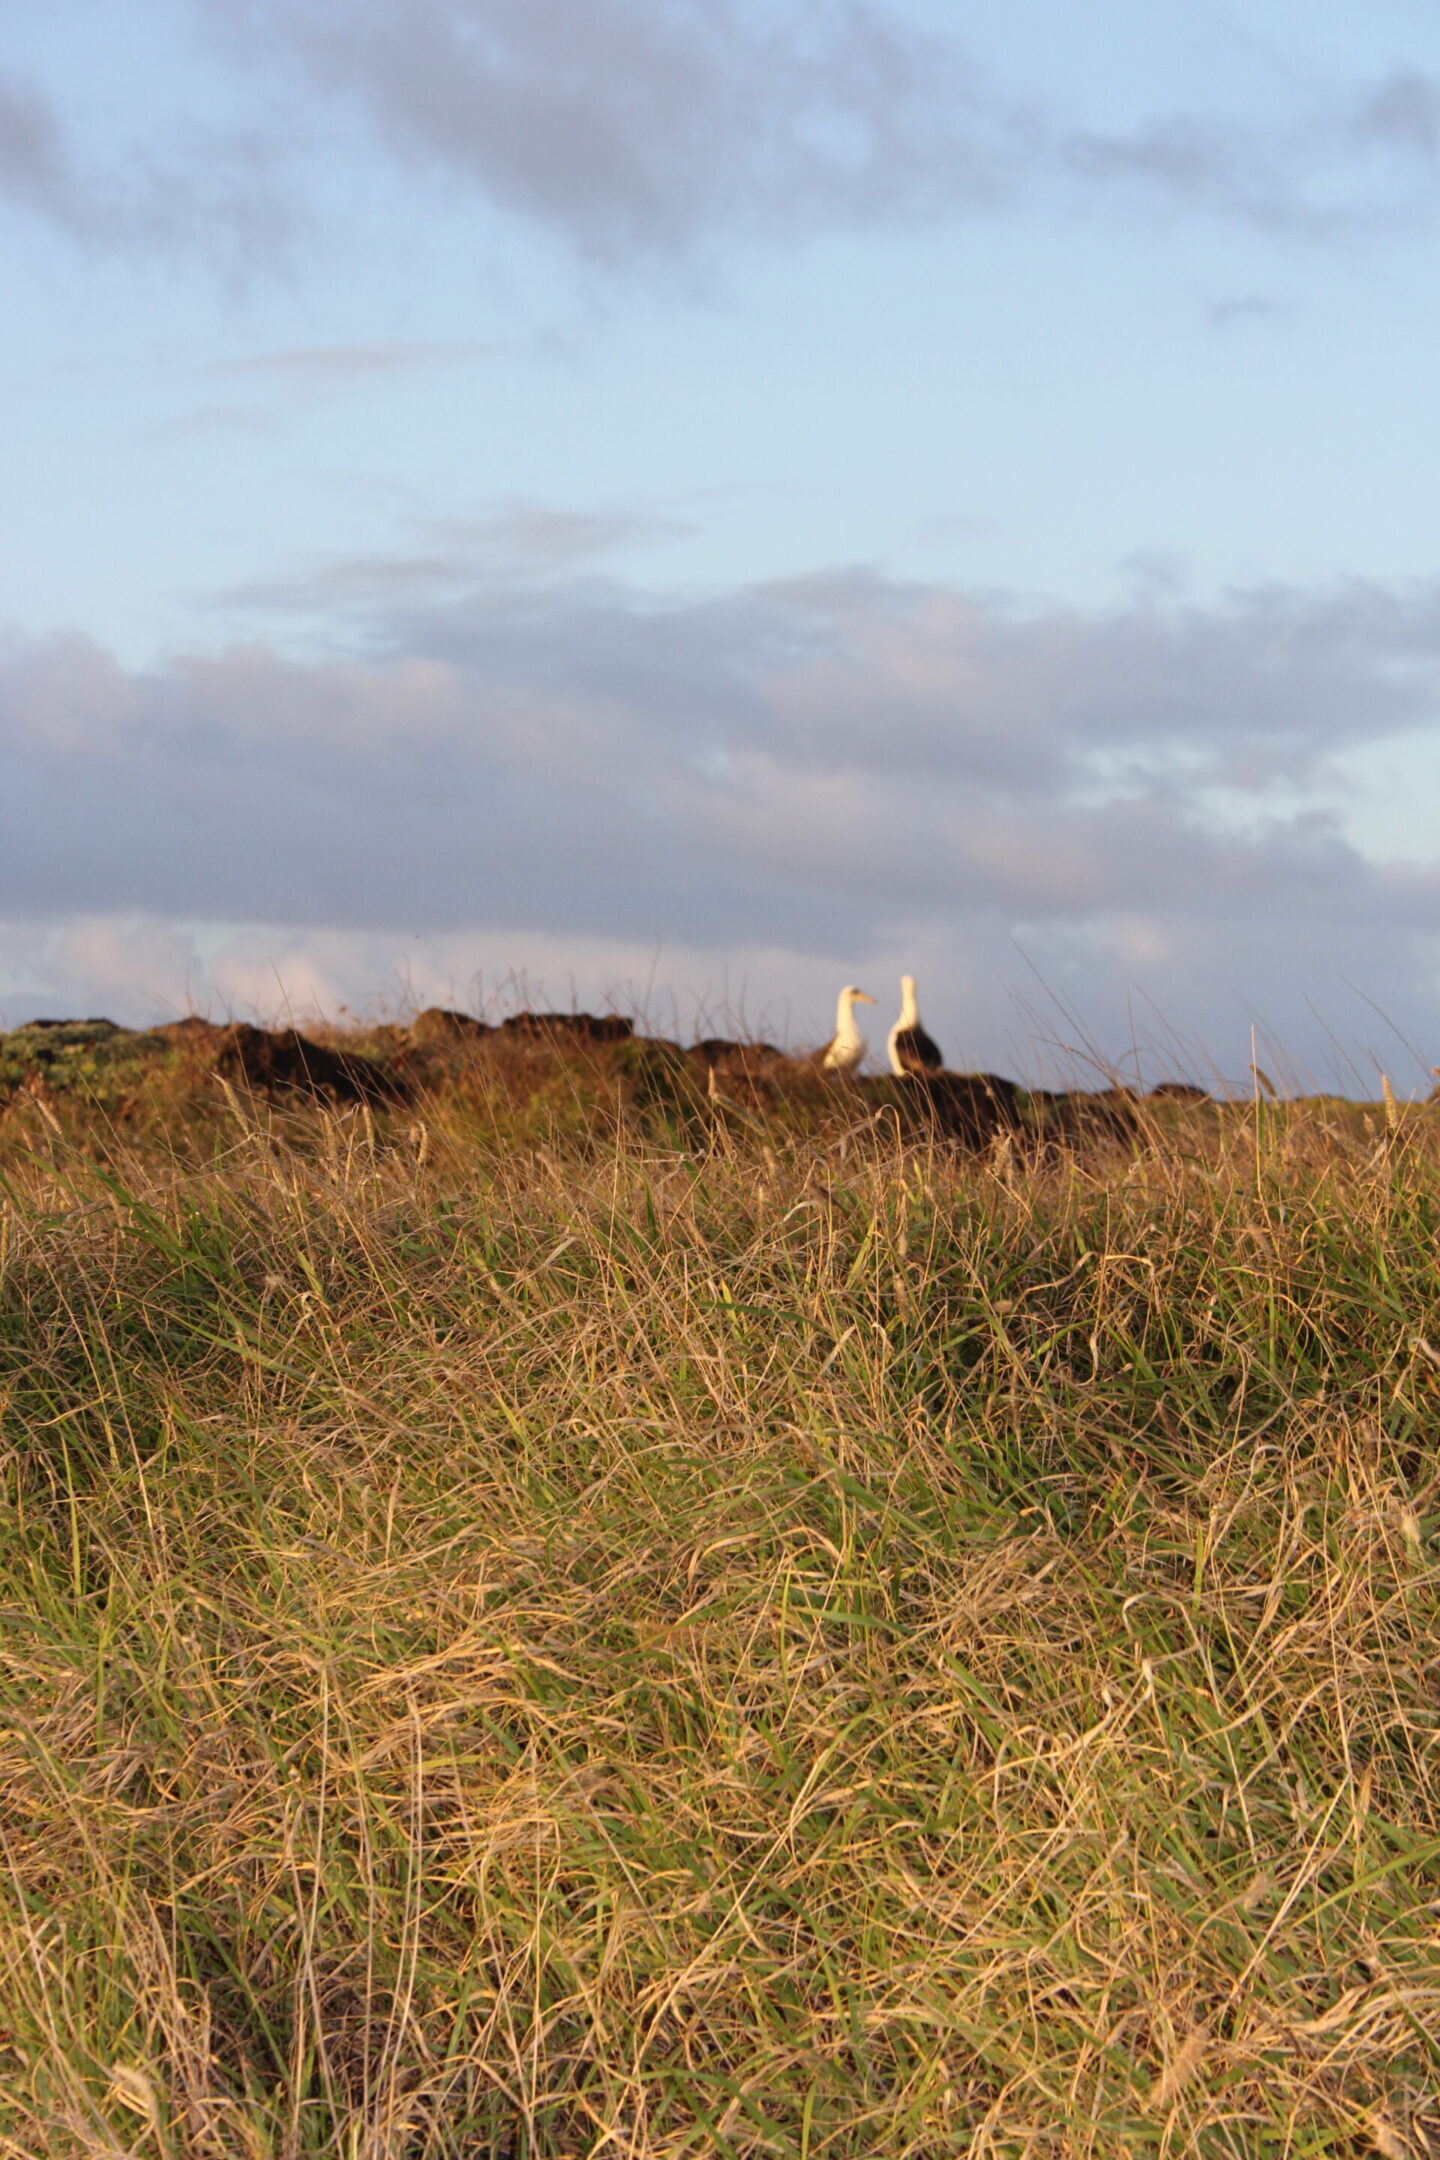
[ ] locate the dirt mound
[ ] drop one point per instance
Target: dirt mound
(1072, 1119)
(192, 1029)
(969, 1108)
(288, 1063)
(1180, 1091)
(717, 1051)
(569, 1027)
(754, 1075)
(437, 1024)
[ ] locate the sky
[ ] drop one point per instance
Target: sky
(686, 504)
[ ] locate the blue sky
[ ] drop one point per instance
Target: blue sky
(704, 502)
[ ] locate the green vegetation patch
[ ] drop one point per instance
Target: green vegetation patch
(82, 1061)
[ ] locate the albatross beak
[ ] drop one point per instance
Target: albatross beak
(862, 999)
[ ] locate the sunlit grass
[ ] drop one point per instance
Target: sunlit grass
(773, 1648)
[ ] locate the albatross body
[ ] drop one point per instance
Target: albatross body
(847, 1045)
(911, 1049)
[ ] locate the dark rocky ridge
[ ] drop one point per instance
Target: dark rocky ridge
(582, 1069)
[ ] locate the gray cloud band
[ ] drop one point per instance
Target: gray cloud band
(637, 129)
(806, 763)
(194, 190)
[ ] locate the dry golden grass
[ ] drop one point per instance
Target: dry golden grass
(769, 1650)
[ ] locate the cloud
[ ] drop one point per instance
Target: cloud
(650, 131)
(1235, 309)
(1402, 113)
(138, 969)
(1310, 174)
(205, 191)
(843, 765)
(635, 129)
(34, 162)
(646, 129)
(1197, 163)
(520, 541)
(292, 377)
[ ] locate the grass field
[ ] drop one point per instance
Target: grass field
(608, 1646)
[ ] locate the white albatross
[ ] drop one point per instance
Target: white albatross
(847, 1045)
(911, 1049)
